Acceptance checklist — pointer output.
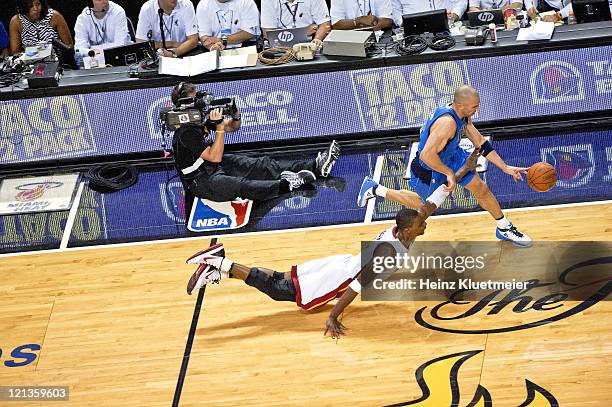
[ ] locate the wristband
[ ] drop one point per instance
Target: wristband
(486, 148)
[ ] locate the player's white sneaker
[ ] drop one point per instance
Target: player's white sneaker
(204, 274)
(366, 192)
(512, 234)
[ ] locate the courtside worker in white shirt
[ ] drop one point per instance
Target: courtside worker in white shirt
(227, 23)
(454, 8)
(279, 14)
(179, 22)
(351, 14)
(101, 25)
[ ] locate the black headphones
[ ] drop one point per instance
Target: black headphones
(90, 6)
(178, 91)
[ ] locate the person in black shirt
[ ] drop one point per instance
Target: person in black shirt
(207, 172)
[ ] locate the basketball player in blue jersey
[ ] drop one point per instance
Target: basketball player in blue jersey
(439, 156)
(316, 282)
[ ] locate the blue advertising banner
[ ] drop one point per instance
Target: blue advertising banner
(154, 208)
(583, 162)
(313, 105)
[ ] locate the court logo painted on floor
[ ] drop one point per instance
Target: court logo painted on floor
(579, 287)
(438, 380)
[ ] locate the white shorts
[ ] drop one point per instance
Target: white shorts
(321, 280)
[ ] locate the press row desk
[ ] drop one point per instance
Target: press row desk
(103, 80)
(105, 113)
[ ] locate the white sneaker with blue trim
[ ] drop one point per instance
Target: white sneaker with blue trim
(366, 192)
(514, 235)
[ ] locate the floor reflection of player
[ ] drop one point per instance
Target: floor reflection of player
(315, 283)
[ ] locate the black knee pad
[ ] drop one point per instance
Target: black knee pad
(275, 286)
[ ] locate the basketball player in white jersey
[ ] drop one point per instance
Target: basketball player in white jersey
(315, 283)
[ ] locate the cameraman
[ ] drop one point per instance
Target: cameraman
(208, 173)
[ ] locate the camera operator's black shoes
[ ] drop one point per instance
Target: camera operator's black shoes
(326, 159)
(297, 180)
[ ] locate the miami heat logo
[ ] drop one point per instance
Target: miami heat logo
(575, 164)
(556, 81)
(440, 386)
(33, 191)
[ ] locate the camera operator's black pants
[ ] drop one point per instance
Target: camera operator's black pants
(245, 177)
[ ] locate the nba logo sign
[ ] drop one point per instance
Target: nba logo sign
(285, 36)
(556, 81)
(209, 215)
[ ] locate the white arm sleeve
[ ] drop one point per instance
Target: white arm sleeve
(355, 285)
(438, 196)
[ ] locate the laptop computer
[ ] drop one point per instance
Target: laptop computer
(587, 11)
(486, 17)
(287, 37)
(433, 21)
(128, 54)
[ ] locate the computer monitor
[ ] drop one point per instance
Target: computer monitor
(128, 54)
(587, 11)
(485, 17)
(434, 21)
(287, 37)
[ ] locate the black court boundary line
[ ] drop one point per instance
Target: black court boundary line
(189, 344)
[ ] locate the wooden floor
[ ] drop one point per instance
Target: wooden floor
(112, 324)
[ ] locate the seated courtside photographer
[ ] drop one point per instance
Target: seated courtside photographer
(207, 172)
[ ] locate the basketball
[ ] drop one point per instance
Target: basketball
(541, 177)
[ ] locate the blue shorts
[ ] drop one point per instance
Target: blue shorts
(437, 178)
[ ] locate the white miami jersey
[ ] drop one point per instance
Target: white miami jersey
(321, 280)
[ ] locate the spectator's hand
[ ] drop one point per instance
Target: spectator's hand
(452, 16)
(516, 172)
(318, 43)
(165, 53)
(311, 29)
(218, 46)
(553, 18)
(366, 21)
(209, 42)
(532, 12)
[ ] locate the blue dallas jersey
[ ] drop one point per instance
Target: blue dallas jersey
(449, 151)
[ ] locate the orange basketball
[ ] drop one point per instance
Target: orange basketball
(541, 177)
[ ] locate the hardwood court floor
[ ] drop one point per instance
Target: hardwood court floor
(112, 324)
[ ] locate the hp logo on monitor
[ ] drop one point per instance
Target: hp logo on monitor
(285, 36)
(486, 17)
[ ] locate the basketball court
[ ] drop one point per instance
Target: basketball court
(112, 324)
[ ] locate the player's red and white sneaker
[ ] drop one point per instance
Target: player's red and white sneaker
(213, 256)
(204, 274)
